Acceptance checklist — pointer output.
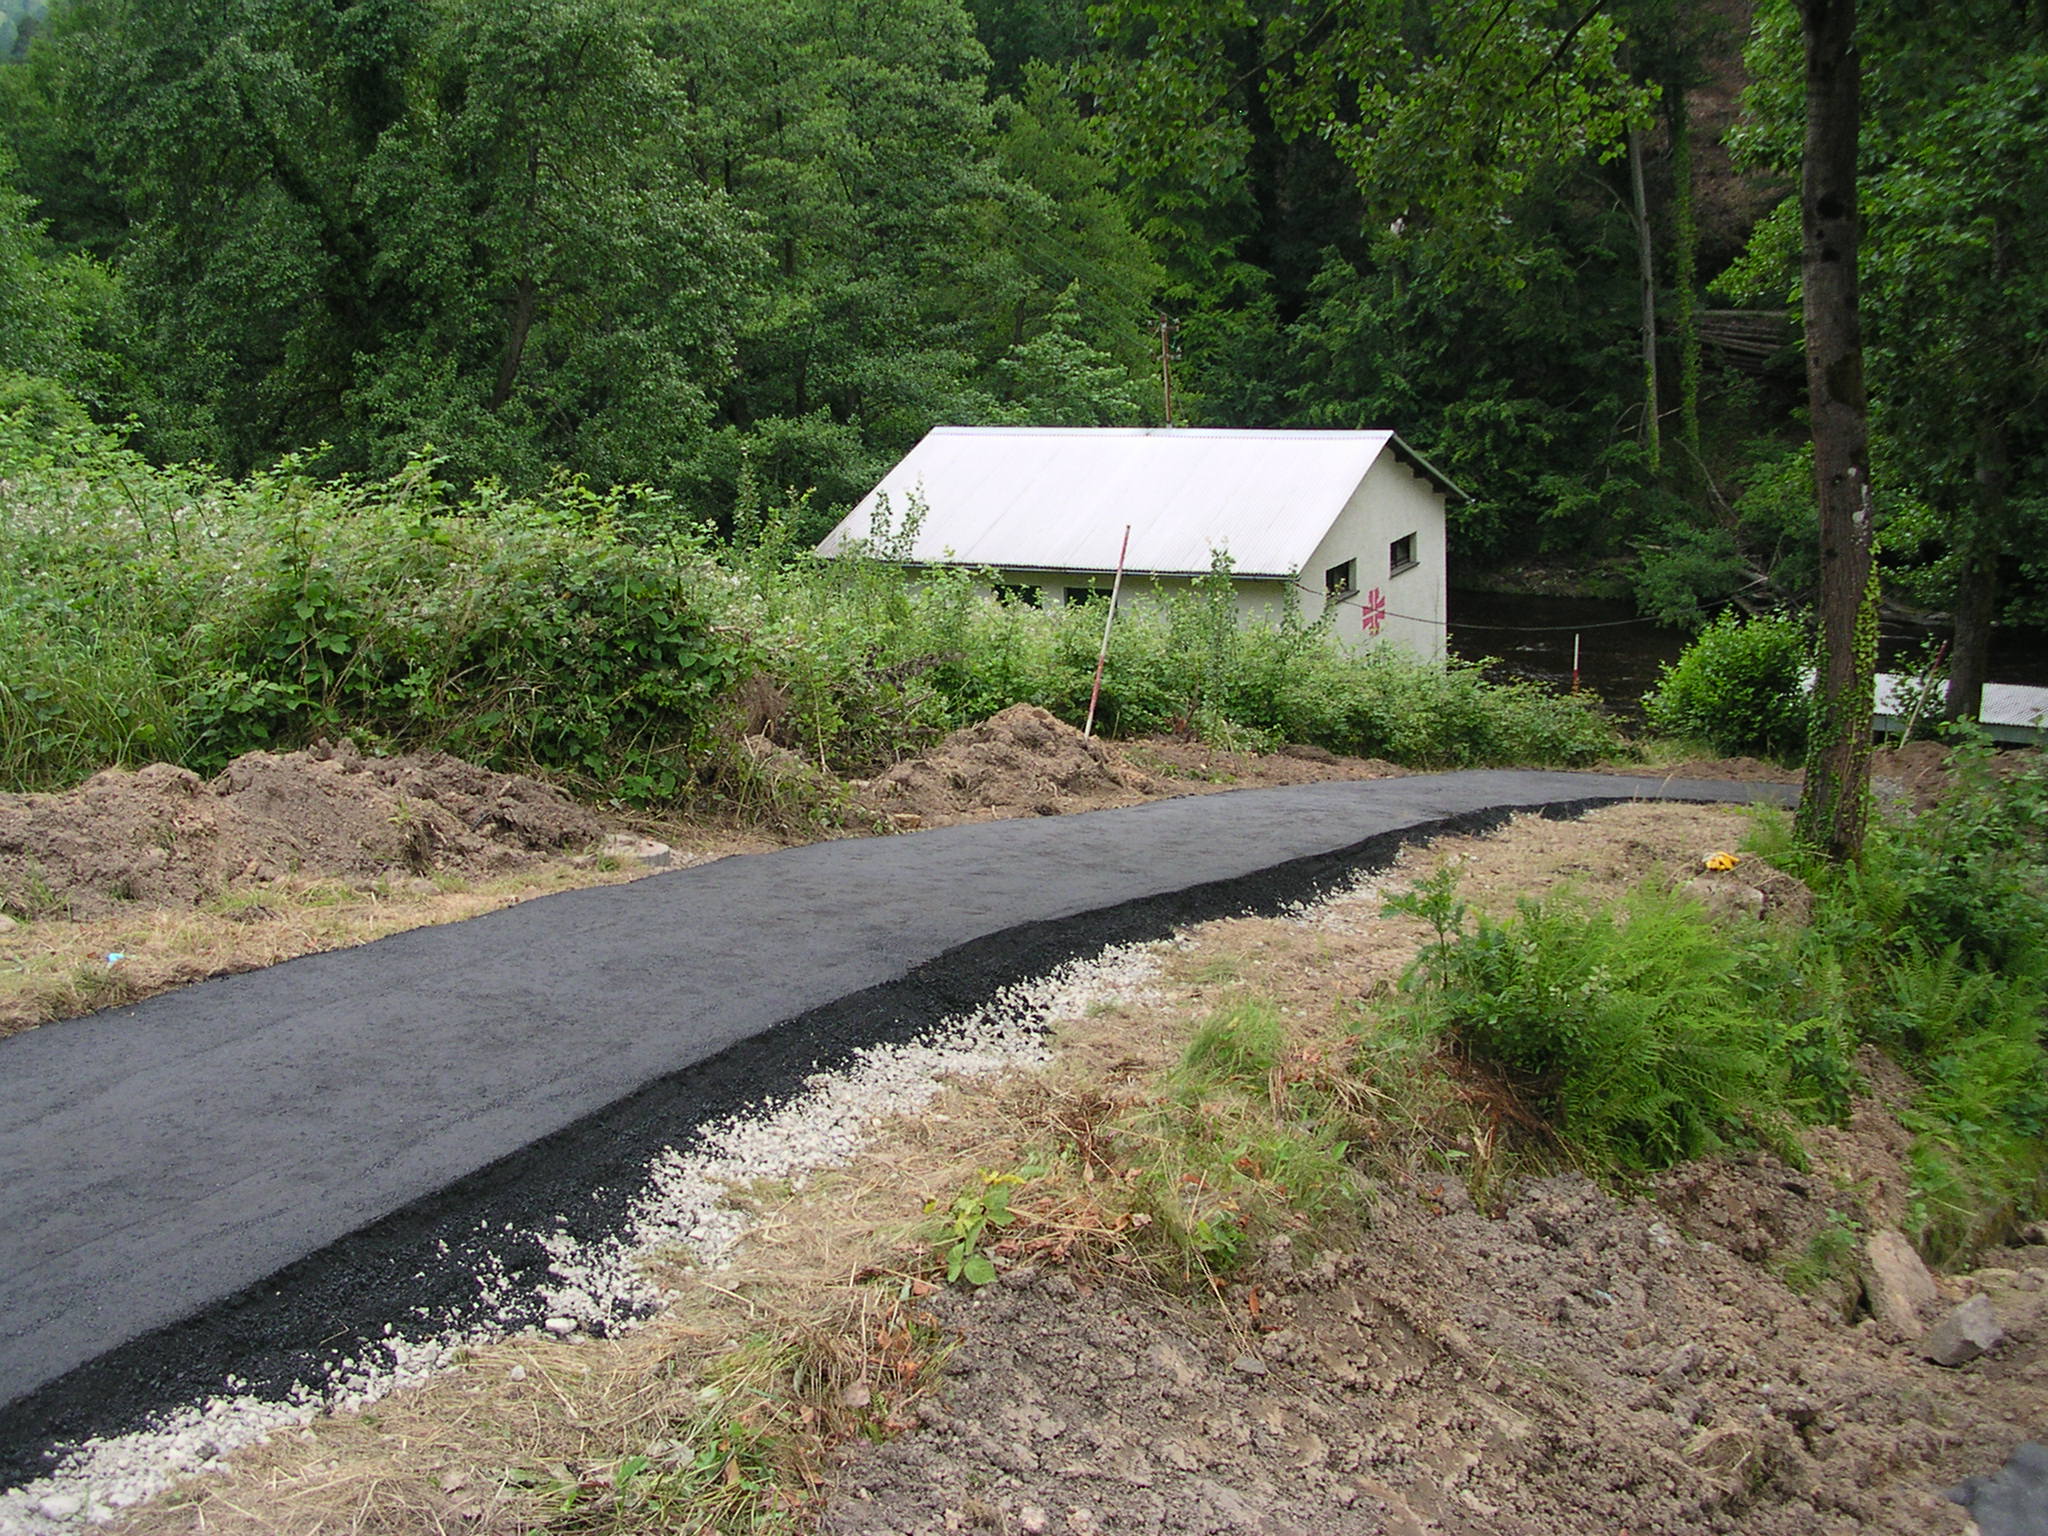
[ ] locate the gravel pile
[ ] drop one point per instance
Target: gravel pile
(600, 1286)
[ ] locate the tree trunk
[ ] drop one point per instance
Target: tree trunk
(1835, 804)
(1969, 666)
(1646, 274)
(1685, 277)
(525, 305)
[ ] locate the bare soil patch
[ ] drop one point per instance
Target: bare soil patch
(1546, 1359)
(1913, 774)
(164, 837)
(1573, 1364)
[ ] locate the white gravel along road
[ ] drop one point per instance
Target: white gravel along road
(603, 1285)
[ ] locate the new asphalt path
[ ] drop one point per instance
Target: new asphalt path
(190, 1185)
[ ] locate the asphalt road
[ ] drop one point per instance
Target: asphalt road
(180, 1167)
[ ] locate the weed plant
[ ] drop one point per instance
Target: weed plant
(1247, 1137)
(1248, 1140)
(150, 613)
(1643, 1032)
(1941, 937)
(748, 1457)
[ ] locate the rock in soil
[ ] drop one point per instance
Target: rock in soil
(645, 851)
(1897, 1283)
(1967, 1332)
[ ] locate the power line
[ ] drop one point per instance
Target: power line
(1522, 629)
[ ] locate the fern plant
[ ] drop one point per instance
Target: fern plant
(1643, 1033)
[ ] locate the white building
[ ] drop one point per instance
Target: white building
(1350, 519)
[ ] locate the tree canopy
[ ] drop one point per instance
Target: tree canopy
(711, 245)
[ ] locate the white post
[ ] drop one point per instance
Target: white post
(1102, 656)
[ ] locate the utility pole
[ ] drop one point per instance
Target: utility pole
(1166, 329)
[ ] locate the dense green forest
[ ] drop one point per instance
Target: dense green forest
(707, 246)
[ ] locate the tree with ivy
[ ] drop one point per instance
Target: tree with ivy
(1953, 288)
(1834, 804)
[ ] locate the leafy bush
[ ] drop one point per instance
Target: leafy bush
(1740, 688)
(1644, 1033)
(876, 663)
(172, 614)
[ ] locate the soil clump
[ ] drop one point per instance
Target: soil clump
(1026, 761)
(1023, 760)
(163, 837)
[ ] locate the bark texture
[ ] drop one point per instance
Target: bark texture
(1835, 803)
(1969, 665)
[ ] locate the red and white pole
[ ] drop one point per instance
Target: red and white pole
(1102, 656)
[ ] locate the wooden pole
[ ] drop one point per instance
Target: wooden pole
(1102, 656)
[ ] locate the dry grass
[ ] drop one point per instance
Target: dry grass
(716, 1417)
(721, 1414)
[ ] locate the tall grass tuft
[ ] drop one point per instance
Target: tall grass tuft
(1942, 933)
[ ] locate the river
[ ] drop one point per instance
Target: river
(1621, 654)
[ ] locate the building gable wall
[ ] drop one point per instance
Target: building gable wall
(1391, 503)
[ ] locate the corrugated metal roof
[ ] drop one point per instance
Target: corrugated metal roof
(1057, 498)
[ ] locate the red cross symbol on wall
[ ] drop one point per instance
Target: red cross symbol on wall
(1372, 611)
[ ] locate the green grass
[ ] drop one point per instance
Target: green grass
(1644, 1033)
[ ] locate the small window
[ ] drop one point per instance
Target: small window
(1401, 555)
(1341, 580)
(1076, 596)
(1016, 594)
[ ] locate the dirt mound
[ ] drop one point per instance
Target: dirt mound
(162, 836)
(1023, 760)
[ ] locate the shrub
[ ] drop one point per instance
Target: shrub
(1644, 1034)
(1740, 687)
(153, 613)
(171, 614)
